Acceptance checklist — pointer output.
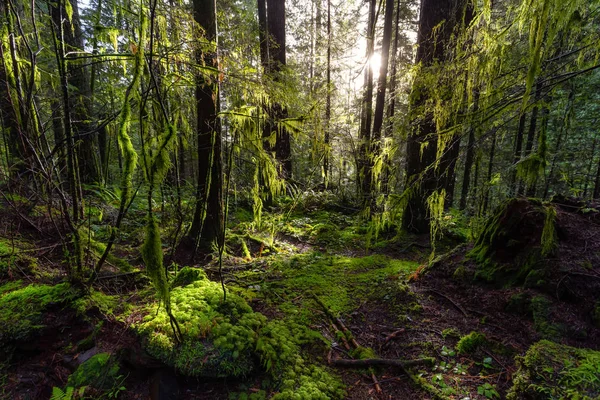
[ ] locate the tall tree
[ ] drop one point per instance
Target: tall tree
(207, 223)
(379, 101)
(366, 118)
(66, 18)
(436, 23)
(271, 15)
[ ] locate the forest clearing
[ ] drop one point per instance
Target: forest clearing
(301, 199)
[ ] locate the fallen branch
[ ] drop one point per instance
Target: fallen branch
(373, 362)
(335, 319)
(114, 276)
(456, 305)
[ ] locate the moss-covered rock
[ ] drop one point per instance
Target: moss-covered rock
(228, 339)
(21, 310)
(553, 371)
(100, 372)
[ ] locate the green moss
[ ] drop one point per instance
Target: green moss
(468, 344)
(100, 371)
(187, 275)
(596, 315)
(10, 286)
(96, 300)
(362, 353)
(451, 332)
(541, 309)
(223, 339)
(98, 249)
(21, 310)
(553, 371)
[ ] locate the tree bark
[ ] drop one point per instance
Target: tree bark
(389, 127)
(469, 157)
(207, 224)
(327, 138)
(375, 148)
(80, 91)
(422, 181)
(363, 182)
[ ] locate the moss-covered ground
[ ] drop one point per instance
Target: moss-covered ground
(304, 288)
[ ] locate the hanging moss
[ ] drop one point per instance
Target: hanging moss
(153, 258)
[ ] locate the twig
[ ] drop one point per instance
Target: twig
(376, 383)
(113, 276)
(458, 307)
(394, 335)
(373, 362)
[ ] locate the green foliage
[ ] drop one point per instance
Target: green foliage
(553, 371)
(468, 344)
(21, 309)
(488, 391)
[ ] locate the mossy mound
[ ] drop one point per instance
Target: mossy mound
(228, 339)
(515, 241)
(553, 371)
(21, 310)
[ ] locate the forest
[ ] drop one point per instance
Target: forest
(301, 199)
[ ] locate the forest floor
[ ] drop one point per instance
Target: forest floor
(377, 298)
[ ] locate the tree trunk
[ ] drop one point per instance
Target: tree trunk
(421, 145)
(563, 130)
(327, 138)
(207, 224)
(389, 127)
(369, 188)
(79, 93)
(363, 185)
(517, 155)
(490, 171)
(469, 157)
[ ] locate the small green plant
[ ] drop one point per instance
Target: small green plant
(438, 380)
(487, 390)
(447, 352)
(460, 369)
(470, 343)
(68, 394)
(487, 363)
